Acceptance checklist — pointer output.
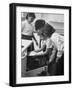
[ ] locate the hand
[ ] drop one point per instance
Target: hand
(57, 59)
(50, 60)
(36, 51)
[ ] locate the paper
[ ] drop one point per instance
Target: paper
(33, 53)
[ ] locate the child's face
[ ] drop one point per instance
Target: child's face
(30, 19)
(42, 37)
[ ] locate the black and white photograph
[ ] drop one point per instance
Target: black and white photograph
(40, 44)
(42, 52)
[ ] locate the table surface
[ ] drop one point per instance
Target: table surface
(25, 44)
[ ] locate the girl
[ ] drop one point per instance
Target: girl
(50, 50)
(41, 27)
(55, 40)
(28, 29)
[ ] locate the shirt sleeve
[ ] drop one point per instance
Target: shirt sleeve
(33, 28)
(60, 46)
(22, 26)
(58, 40)
(49, 43)
(60, 43)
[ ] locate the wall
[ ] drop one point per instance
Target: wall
(56, 20)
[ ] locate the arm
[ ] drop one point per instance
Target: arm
(52, 55)
(59, 55)
(40, 49)
(35, 40)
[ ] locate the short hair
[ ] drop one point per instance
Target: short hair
(39, 24)
(47, 30)
(30, 15)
